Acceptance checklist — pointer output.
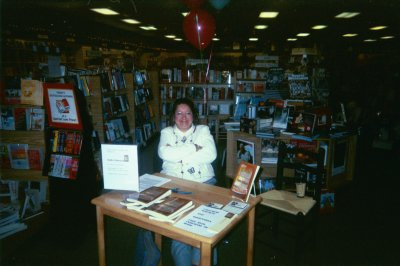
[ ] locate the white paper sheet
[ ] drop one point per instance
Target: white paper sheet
(120, 167)
(146, 181)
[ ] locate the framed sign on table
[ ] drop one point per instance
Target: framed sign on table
(61, 106)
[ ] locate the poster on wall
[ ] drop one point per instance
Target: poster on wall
(61, 106)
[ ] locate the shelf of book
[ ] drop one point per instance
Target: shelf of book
(23, 175)
(339, 159)
(214, 101)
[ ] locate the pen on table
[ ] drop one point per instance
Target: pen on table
(177, 190)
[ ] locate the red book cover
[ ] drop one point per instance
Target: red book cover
(74, 168)
(244, 180)
(78, 143)
(20, 118)
(70, 143)
(35, 158)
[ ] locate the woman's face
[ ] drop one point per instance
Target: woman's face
(183, 117)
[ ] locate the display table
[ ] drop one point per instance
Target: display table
(109, 204)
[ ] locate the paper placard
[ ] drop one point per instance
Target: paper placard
(120, 167)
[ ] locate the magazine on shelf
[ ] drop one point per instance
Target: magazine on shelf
(31, 92)
(244, 180)
(18, 154)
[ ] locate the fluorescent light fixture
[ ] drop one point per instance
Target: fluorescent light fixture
(387, 37)
(170, 36)
(302, 34)
(378, 28)
(350, 35)
(104, 11)
(370, 40)
(215, 39)
(253, 39)
(347, 14)
(260, 27)
(291, 39)
(148, 28)
(131, 21)
(319, 27)
(268, 14)
(178, 39)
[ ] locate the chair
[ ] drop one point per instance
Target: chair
(292, 217)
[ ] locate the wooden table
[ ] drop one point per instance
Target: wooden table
(109, 204)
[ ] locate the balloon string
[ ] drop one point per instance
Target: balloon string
(199, 41)
(198, 33)
(209, 62)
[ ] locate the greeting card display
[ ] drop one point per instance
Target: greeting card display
(61, 106)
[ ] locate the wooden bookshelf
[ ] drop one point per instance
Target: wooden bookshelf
(339, 149)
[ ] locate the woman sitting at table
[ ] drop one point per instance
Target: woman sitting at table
(187, 150)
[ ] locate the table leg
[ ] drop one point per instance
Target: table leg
(205, 250)
(100, 236)
(250, 236)
(158, 240)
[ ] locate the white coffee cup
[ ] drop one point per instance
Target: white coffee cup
(300, 189)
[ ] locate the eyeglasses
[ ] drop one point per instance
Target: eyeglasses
(180, 114)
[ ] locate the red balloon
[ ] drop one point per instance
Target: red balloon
(193, 4)
(199, 28)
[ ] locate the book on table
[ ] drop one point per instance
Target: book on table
(169, 209)
(139, 200)
(244, 180)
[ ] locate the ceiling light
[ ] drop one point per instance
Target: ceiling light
(387, 37)
(266, 14)
(302, 34)
(378, 28)
(291, 39)
(253, 39)
(370, 40)
(347, 14)
(184, 14)
(148, 28)
(104, 11)
(178, 39)
(215, 39)
(350, 35)
(171, 36)
(319, 27)
(130, 21)
(260, 27)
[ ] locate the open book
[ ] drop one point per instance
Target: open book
(169, 209)
(147, 197)
(244, 180)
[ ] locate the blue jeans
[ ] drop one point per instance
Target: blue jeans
(186, 255)
(146, 251)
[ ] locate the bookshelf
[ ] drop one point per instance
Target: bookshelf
(339, 158)
(214, 100)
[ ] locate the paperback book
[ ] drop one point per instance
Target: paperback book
(244, 180)
(169, 209)
(147, 197)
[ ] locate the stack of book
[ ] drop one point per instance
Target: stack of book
(158, 203)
